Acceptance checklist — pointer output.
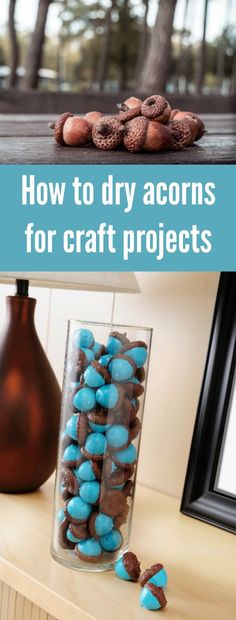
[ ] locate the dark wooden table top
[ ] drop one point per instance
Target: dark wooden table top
(27, 139)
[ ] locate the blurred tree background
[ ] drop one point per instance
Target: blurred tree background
(111, 45)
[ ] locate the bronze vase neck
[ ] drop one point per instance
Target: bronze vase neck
(20, 310)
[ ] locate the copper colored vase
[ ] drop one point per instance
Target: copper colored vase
(29, 403)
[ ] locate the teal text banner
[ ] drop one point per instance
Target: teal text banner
(118, 218)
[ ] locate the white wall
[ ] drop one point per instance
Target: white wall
(179, 307)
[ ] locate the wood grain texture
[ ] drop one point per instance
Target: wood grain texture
(14, 606)
(30, 125)
(28, 140)
(200, 560)
(37, 150)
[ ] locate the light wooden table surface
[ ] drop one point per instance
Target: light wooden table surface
(200, 560)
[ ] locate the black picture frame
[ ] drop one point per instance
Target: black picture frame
(200, 499)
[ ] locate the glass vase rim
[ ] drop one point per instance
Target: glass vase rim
(109, 324)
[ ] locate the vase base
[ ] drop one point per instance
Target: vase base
(69, 560)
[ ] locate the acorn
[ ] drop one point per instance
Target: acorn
(144, 135)
(156, 108)
(93, 117)
(129, 109)
(107, 133)
(129, 104)
(181, 135)
(71, 130)
(190, 117)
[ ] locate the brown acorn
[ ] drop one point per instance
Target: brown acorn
(93, 117)
(143, 135)
(129, 104)
(181, 135)
(71, 130)
(107, 133)
(201, 129)
(156, 108)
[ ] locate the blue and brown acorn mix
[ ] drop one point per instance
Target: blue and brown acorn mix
(99, 456)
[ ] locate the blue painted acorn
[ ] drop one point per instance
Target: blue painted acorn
(115, 342)
(84, 399)
(72, 455)
(128, 456)
(90, 491)
(128, 567)
(77, 509)
(95, 446)
(89, 550)
(111, 541)
(122, 368)
(155, 574)
(85, 472)
(83, 338)
(110, 396)
(71, 427)
(137, 351)
(71, 537)
(100, 524)
(117, 436)
(152, 597)
(96, 375)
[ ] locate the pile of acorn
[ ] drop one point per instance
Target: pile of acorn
(148, 125)
(99, 455)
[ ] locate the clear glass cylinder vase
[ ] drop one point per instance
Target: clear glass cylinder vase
(105, 378)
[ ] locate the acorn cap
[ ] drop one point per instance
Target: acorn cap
(91, 525)
(134, 429)
(140, 374)
(122, 517)
(128, 488)
(107, 133)
(201, 127)
(98, 416)
(70, 482)
(181, 135)
(149, 573)
(79, 531)
(125, 116)
(135, 134)
(62, 538)
(79, 358)
(101, 370)
(82, 428)
(58, 127)
(133, 345)
(131, 565)
(157, 108)
(112, 502)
